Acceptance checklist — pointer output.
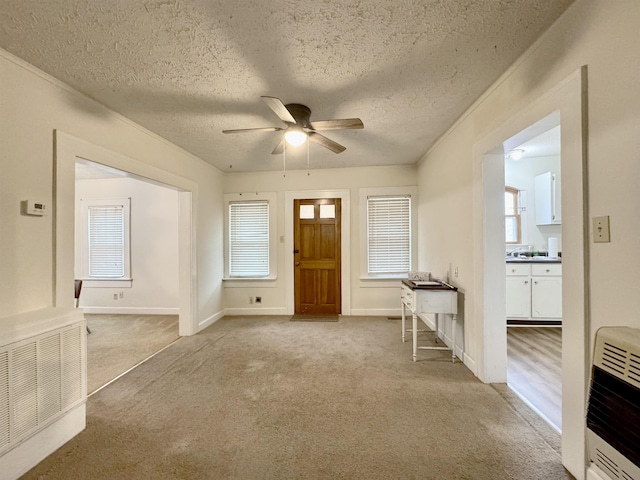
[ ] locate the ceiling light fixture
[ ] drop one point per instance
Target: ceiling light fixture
(295, 137)
(515, 154)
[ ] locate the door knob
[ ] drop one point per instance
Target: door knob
(296, 251)
(297, 264)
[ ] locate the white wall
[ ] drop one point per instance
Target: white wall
(520, 174)
(603, 36)
(367, 297)
(154, 248)
(33, 105)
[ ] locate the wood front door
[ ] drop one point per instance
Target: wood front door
(317, 256)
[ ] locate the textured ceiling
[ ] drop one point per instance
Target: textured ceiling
(187, 69)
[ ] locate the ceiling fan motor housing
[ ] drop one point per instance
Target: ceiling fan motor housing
(301, 113)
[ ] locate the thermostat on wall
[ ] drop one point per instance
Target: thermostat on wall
(32, 207)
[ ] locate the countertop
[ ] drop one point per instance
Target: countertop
(441, 286)
(533, 260)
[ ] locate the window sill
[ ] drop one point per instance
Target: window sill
(246, 282)
(107, 283)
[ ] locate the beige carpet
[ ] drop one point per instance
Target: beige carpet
(266, 398)
(119, 342)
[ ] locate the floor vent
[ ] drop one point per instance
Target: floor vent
(40, 379)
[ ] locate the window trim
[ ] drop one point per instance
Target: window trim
(385, 280)
(270, 198)
(88, 281)
(517, 215)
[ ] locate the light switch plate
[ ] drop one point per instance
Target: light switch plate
(601, 233)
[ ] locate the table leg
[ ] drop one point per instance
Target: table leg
(454, 327)
(415, 337)
(403, 322)
(437, 319)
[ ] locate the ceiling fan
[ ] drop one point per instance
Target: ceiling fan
(299, 126)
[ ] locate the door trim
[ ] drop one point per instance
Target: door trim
(345, 243)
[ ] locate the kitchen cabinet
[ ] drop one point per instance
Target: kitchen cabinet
(534, 291)
(547, 199)
(518, 291)
(546, 291)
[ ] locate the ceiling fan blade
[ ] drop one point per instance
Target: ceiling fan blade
(279, 109)
(245, 130)
(345, 123)
(326, 142)
(279, 148)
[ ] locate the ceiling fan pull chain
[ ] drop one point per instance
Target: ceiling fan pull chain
(284, 160)
(308, 173)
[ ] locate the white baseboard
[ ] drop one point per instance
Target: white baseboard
(32, 451)
(470, 363)
(131, 310)
(210, 321)
(256, 311)
(376, 312)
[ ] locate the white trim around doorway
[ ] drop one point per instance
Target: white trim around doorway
(569, 99)
(69, 150)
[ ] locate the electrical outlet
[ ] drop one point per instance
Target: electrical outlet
(601, 233)
(115, 296)
(251, 300)
(258, 299)
(121, 295)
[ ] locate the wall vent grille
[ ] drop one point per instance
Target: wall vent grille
(613, 413)
(41, 378)
(619, 360)
(5, 413)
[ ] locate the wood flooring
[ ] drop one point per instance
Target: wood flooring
(119, 342)
(534, 368)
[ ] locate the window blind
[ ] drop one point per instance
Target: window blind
(249, 239)
(389, 234)
(106, 241)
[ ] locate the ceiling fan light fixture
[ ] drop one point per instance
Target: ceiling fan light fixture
(295, 137)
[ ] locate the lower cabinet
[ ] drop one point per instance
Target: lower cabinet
(534, 291)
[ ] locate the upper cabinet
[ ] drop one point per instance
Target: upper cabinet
(547, 199)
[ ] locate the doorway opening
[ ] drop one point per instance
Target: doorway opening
(70, 150)
(533, 258)
(129, 270)
(569, 100)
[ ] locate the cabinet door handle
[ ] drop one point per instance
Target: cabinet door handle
(536, 282)
(526, 282)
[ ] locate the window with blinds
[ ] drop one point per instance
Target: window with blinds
(389, 234)
(249, 239)
(106, 239)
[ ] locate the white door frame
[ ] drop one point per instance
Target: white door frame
(569, 99)
(345, 239)
(70, 149)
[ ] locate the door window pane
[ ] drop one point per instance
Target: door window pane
(327, 211)
(307, 212)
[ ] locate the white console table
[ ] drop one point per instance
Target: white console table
(438, 299)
